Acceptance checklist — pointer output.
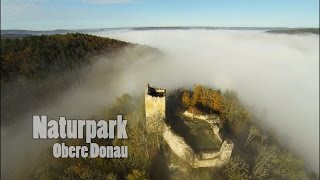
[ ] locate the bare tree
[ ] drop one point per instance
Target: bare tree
(237, 168)
(263, 161)
(253, 132)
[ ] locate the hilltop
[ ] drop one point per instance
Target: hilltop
(152, 154)
(39, 56)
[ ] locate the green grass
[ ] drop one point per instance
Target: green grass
(201, 136)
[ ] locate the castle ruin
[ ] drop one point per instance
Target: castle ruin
(155, 109)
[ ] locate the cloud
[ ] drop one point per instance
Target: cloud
(275, 74)
(101, 84)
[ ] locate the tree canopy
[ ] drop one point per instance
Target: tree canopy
(39, 56)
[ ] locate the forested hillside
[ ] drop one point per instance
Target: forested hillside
(39, 56)
(36, 69)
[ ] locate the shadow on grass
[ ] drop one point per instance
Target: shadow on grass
(196, 135)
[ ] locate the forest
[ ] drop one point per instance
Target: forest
(37, 68)
(38, 56)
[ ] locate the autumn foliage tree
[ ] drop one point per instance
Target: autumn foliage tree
(186, 99)
(202, 99)
(39, 56)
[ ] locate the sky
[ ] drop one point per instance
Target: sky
(83, 14)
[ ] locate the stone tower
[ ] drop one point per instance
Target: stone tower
(155, 106)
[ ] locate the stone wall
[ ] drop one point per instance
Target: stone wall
(203, 159)
(226, 150)
(216, 131)
(215, 162)
(209, 155)
(178, 145)
(212, 119)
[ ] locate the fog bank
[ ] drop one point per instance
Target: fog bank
(277, 74)
(100, 85)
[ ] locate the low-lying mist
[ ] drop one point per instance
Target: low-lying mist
(276, 74)
(100, 83)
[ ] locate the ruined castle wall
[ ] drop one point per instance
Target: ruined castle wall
(215, 162)
(178, 145)
(209, 155)
(155, 105)
(208, 118)
(190, 115)
(204, 159)
(226, 150)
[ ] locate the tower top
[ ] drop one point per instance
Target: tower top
(155, 92)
